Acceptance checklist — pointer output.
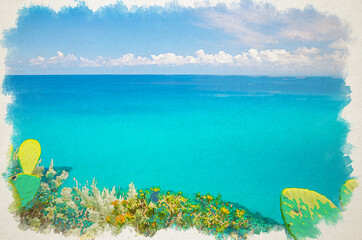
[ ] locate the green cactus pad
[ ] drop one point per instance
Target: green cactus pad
(26, 186)
(302, 209)
(346, 192)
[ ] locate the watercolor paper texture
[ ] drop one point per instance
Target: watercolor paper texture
(226, 119)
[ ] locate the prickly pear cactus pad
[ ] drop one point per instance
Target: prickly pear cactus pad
(26, 186)
(346, 192)
(29, 153)
(302, 209)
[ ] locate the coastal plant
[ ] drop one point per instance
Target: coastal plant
(153, 209)
(97, 204)
(24, 183)
(346, 192)
(303, 209)
(86, 211)
(50, 208)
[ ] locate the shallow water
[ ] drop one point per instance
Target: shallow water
(247, 138)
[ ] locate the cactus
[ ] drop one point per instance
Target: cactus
(26, 186)
(25, 183)
(346, 191)
(29, 153)
(302, 209)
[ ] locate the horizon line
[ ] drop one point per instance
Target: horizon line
(152, 74)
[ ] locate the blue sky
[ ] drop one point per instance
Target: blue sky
(246, 39)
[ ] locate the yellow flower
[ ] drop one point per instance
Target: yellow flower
(209, 198)
(108, 219)
(239, 213)
(115, 203)
(224, 210)
(120, 219)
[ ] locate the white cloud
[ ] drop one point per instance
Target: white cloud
(307, 51)
(59, 58)
(311, 26)
(301, 59)
(260, 24)
(171, 59)
(215, 59)
(238, 23)
(128, 59)
(339, 44)
(130, 4)
(37, 61)
(223, 58)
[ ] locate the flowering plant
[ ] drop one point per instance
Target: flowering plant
(87, 211)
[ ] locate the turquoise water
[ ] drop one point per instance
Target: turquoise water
(247, 138)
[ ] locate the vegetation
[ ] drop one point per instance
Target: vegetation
(87, 211)
(346, 192)
(303, 209)
(43, 204)
(151, 210)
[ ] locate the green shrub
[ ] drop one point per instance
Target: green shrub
(87, 211)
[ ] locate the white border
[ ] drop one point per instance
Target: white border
(348, 11)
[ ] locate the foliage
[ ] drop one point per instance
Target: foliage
(87, 211)
(346, 192)
(303, 209)
(152, 210)
(28, 154)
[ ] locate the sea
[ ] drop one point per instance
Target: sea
(245, 137)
